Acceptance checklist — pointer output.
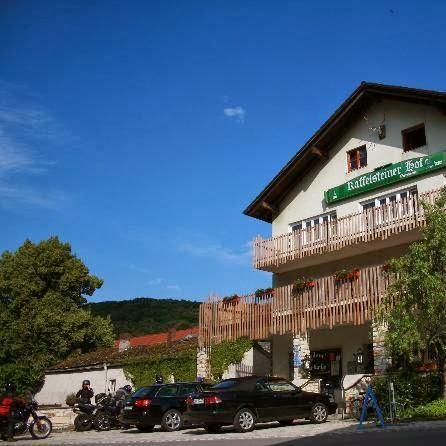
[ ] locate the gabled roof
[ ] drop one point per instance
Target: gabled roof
(265, 205)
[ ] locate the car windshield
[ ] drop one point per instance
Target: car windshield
(224, 385)
(144, 392)
(281, 386)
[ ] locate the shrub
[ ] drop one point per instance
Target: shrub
(71, 399)
(411, 389)
(434, 409)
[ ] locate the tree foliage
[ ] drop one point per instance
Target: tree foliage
(415, 306)
(43, 318)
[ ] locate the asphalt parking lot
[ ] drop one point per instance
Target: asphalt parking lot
(301, 433)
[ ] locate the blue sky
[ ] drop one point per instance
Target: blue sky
(139, 131)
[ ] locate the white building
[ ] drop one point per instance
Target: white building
(339, 209)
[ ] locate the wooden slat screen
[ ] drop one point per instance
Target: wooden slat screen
(328, 304)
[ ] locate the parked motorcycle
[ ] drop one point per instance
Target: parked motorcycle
(107, 414)
(27, 420)
(86, 415)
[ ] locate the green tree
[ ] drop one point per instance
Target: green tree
(415, 305)
(43, 317)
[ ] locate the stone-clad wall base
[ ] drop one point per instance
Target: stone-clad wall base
(61, 417)
(381, 361)
(203, 369)
(301, 350)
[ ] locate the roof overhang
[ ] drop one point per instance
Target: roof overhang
(265, 206)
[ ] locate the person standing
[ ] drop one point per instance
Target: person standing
(85, 394)
(8, 404)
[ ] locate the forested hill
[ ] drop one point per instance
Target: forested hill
(146, 315)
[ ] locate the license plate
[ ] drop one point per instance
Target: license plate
(198, 401)
(128, 407)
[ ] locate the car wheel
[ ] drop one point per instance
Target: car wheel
(172, 420)
(212, 428)
(319, 413)
(286, 422)
(244, 420)
(145, 427)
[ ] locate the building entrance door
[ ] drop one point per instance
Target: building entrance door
(327, 366)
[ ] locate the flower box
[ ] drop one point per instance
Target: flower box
(231, 300)
(264, 292)
(344, 275)
(301, 284)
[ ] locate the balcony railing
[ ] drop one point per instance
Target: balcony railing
(380, 222)
(326, 303)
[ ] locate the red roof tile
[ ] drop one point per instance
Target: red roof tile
(160, 338)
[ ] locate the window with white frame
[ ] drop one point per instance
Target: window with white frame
(393, 205)
(314, 228)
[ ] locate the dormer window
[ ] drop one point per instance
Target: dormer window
(356, 158)
(414, 137)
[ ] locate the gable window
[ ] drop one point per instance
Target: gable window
(356, 158)
(414, 137)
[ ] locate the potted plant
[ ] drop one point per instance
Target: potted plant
(71, 400)
(263, 292)
(231, 300)
(301, 284)
(259, 292)
(385, 269)
(341, 275)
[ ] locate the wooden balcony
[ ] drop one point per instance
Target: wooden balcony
(329, 303)
(382, 222)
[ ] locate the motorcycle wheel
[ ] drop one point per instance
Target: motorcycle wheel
(83, 422)
(41, 428)
(102, 422)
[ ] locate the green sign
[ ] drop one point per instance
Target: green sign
(386, 175)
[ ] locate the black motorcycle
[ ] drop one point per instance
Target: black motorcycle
(26, 419)
(86, 415)
(107, 414)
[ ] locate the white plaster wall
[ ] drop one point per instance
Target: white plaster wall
(58, 385)
(253, 362)
(306, 200)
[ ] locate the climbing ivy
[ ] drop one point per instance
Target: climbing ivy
(226, 353)
(181, 362)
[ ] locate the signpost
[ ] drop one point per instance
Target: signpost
(386, 175)
(371, 397)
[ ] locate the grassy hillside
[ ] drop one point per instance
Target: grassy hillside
(146, 315)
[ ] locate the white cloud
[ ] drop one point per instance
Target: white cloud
(138, 269)
(173, 287)
(238, 113)
(155, 281)
(218, 252)
(49, 199)
(23, 128)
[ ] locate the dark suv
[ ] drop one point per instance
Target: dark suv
(162, 404)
